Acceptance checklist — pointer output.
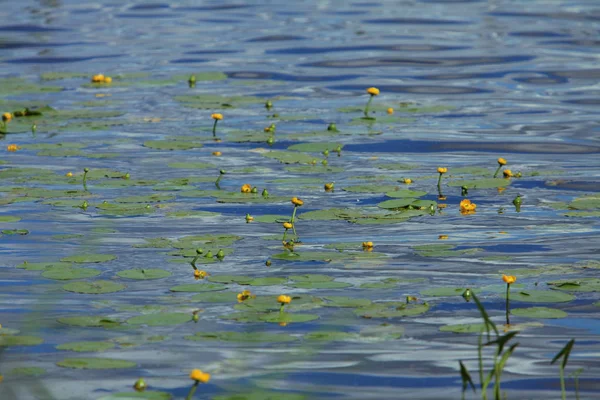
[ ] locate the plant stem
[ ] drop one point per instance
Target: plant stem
(292, 221)
(562, 383)
(480, 357)
(507, 303)
(281, 308)
(439, 183)
(215, 129)
(576, 388)
(367, 106)
(192, 391)
(498, 170)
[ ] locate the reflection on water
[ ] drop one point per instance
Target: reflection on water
(512, 80)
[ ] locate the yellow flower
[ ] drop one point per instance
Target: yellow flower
(217, 153)
(367, 245)
(407, 180)
(6, 117)
(288, 225)
(246, 188)
(328, 187)
(200, 274)
(441, 197)
(507, 173)
(140, 385)
(217, 116)
(466, 207)
(245, 295)
(501, 189)
(249, 218)
(373, 91)
(107, 79)
(98, 78)
(297, 202)
(390, 110)
(443, 237)
(501, 161)
(283, 299)
(509, 279)
(442, 170)
(199, 376)
(12, 147)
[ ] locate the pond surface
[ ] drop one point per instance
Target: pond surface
(105, 259)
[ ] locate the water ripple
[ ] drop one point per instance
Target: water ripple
(415, 21)
(416, 89)
(414, 61)
(399, 47)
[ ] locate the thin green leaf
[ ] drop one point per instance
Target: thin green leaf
(466, 377)
(502, 340)
(565, 351)
(485, 316)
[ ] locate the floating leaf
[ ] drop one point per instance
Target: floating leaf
(320, 285)
(540, 296)
(272, 218)
(392, 310)
(242, 337)
(343, 301)
(90, 321)
(40, 266)
(86, 346)
(144, 274)
(89, 258)
(96, 287)
(538, 312)
(198, 287)
(577, 285)
(311, 278)
(160, 319)
(239, 279)
(331, 336)
(481, 183)
(445, 291)
(20, 341)
(171, 145)
(15, 232)
(284, 317)
(405, 193)
(27, 371)
(315, 147)
(215, 297)
(370, 188)
(290, 157)
(267, 281)
(9, 218)
(145, 395)
(476, 328)
(68, 273)
(95, 363)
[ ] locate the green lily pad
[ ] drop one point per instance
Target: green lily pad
(325, 256)
(397, 166)
(215, 297)
(243, 337)
(586, 202)
(261, 395)
(343, 301)
(89, 258)
(51, 76)
(96, 287)
(270, 304)
(488, 183)
(405, 193)
(267, 281)
(311, 278)
(153, 198)
(15, 232)
(160, 319)
(27, 371)
(9, 218)
(95, 363)
(577, 285)
(198, 287)
(582, 214)
(540, 296)
(371, 188)
(144, 274)
(331, 336)
(476, 328)
(90, 321)
(171, 145)
(538, 312)
(445, 291)
(86, 346)
(8, 331)
(284, 317)
(320, 285)
(215, 102)
(145, 395)
(40, 266)
(10, 340)
(290, 157)
(68, 273)
(396, 203)
(272, 218)
(392, 310)
(239, 279)
(315, 147)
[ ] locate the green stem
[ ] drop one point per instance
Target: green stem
(218, 180)
(194, 262)
(498, 170)
(576, 388)
(284, 235)
(292, 221)
(192, 391)
(367, 106)
(281, 308)
(439, 182)
(507, 303)
(215, 129)
(480, 357)
(562, 383)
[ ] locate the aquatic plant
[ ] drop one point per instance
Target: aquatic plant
(373, 91)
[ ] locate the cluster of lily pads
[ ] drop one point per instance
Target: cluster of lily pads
(86, 192)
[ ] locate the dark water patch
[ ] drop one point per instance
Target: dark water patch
(587, 186)
(421, 146)
(400, 47)
(57, 60)
(461, 116)
(189, 60)
(148, 15)
(201, 52)
(288, 77)
(151, 6)
(528, 112)
(583, 102)
(415, 21)
(276, 38)
(510, 248)
(220, 7)
(537, 34)
(542, 16)
(463, 76)
(578, 73)
(450, 1)
(220, 21)
(541, 80)
(30, 45)
(417, 89)
(418, 62)
(579, 42)
(369, 380)
(30, 28)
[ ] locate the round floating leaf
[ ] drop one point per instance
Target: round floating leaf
(320, 285)
(40, 266)
(331, 336)
(315, 147)
(9, 218)
(254, 337)
(8, 331)
(577, 285)
(146, 395)
(392, 310)
(370, 188)
(540, 296)
(144, 274)
(261, 395)
(405, 193)
(15, 232)
(89, 258)
(97, 287)
(488, 183)
(86, 346)
(445, 291)
(192, 214)
(27, 371)
(239, 279)
(95, 363)
(379, 285)
(398, 203)
(342, 301)
(171, 145)
(538, 312)
(272, 218)
(268, 281)
(105, 322)
(215, 297)
(68, 273)
(160, 319)
(476, 328)
(285, 317)
(311, 278)
(290, 157)
(198, 287)
(153, 198)
(20, 341)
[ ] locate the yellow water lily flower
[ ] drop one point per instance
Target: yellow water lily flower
(283, 299)
(297, 202)
(6, 117)
(288, 225)
(98, 78)
(373, 91)
(245, 295)
(12, 147)
(507, 173)
(407, 181)
(501, 161)
(200, 274)
(217, 116)
(217, 153)
(443, 237)
(246, 188)
(442, 170)
(509, 279)
(107, 79)
(199, 376)
(466, 207)
(69, 174)
(367, 245)
(390, 110)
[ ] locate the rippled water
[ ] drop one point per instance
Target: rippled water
(487, 79)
